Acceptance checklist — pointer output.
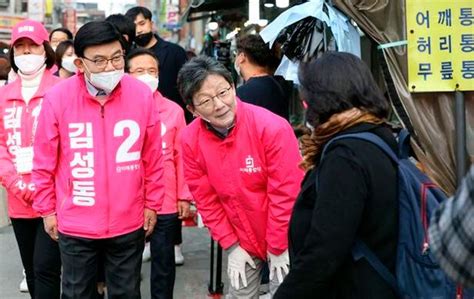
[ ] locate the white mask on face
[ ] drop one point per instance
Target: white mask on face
(30, 63)
(237, 67)
(68, 64)
(149, 80)
(106, 81)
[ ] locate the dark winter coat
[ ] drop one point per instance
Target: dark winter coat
(357, 198)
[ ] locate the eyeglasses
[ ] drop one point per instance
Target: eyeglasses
(140, 71)
(101, 63)
(207, 103)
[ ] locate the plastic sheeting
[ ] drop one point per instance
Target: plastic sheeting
(431, 114)
(346, 36)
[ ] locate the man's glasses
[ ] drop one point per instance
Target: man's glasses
(101, 63)
(207, 103)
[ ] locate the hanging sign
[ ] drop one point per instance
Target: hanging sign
(440, 45)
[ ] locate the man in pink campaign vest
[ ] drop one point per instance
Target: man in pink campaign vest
(241, 165)
(143, 65)
(98, 167)
(31, 58)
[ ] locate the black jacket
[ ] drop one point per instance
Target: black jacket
(171, 57)
(266, 92)
(357, 198)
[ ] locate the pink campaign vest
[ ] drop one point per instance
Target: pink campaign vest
(172, 123)
(98, 166)
(18, 121)
(245, 185)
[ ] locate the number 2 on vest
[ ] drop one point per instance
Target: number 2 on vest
(123, 153)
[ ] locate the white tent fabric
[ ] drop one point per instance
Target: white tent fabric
(346, 35)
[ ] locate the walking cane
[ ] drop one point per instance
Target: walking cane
(216, 287)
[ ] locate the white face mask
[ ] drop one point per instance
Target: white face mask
(30, 63)
(68, 64)
(149, 80)
(107, 81)
(237, 67)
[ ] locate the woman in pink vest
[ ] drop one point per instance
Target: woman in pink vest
(31, 57)
(241, 165)
(143, 65)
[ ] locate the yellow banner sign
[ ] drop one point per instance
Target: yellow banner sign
(440, 45)
(49, 7)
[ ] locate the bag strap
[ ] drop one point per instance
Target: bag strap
(404, 146)
(367, 136)
(361, 250)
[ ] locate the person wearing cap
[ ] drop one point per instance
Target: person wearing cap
(31, 57)
(98, 167)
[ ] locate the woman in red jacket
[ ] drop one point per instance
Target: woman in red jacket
(31, 57)
(241, 166)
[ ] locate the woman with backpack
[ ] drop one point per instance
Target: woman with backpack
(350, 194)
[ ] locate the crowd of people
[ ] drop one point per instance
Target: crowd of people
(107, 138)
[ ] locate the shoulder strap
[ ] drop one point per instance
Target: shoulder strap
(361, 250)
(370, 137)
(404, 146)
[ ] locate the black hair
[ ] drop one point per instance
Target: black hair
(255, 50)
(63, 30)
(194, 72)
(139, 52)
(135, 11)
(125, 26)
(338, 81)
(4, 67)
(96, 33)
(61, 49)
(49, 54)
(190, 54)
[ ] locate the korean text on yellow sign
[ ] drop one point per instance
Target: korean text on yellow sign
(440, 45)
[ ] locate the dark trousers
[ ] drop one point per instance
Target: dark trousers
(122, 259)
(179, 233)
(163, 268)
(40, 257)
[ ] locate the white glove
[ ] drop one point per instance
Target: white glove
(236, 261)
(279, 264)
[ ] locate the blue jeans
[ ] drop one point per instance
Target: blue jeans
(163, 268)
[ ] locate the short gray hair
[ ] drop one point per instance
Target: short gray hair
(193, 74)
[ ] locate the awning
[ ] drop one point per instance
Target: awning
(214, 5)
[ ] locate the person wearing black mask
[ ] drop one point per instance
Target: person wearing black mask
(171, 56)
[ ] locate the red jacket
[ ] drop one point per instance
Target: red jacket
(17, 120)
(172, 123)
(245, 185)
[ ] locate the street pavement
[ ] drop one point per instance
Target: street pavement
(191, 278)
